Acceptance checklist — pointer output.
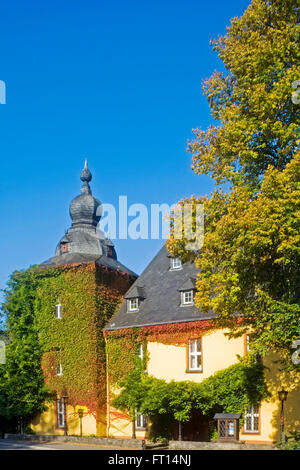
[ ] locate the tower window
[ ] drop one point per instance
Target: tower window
(60, 413)
(64, 247)
(59, 371)
(58, 311)
(141, 351)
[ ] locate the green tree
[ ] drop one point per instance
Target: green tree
(133, 391)
(229, 390)
(257, 123)
(250, 260)
(22, 392)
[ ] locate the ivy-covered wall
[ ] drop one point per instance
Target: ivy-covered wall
(122, 343)
(89, 295)
(228, 389)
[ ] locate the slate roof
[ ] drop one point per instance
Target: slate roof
(189, 284)
(72, 258)
(136, 291)
(161, 286)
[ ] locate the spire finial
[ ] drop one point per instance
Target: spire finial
(86, 177)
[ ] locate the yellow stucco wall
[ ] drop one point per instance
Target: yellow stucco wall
(218, 352)
(168, 362)
(270, 410)
(119, 425)
(45, 423)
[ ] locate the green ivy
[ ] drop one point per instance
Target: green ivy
(229, 390)
(39, 342)
(292, 442)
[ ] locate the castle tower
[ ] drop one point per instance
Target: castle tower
(84, 241)
(78, 291)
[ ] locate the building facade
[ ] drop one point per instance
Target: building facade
(182, 344)
(78, 291)
(95, 317)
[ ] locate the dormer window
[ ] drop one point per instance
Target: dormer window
(133, 305)
(58, 311)
(187, 297)
(187, 291)
(134, 298)
(176, 263)
(59, 371)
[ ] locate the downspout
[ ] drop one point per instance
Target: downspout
(107, 392)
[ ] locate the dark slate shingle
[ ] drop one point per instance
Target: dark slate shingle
(71, 258)
(163, 299)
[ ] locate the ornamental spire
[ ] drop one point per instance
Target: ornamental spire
(86, 177)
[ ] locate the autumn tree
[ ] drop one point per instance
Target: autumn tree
(250, 261)
(257, 122)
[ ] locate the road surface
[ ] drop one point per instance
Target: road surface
(10, 444)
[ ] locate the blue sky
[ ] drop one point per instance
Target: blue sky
(117, 82)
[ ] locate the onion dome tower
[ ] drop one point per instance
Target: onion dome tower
(85, 210)
(84, 241)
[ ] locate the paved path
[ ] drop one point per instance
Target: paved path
(7, 444)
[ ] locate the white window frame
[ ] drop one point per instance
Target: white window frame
(61, 414)
(140, 421)
(189, 293)
(257, 357)
(141, 351)
(59, 371)
(58, 314)
(135, 302)
(195, 354)
(248, 343)
(252, 412)
(176, 264)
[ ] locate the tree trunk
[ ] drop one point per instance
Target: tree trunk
(133, 429)
(179, 431)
